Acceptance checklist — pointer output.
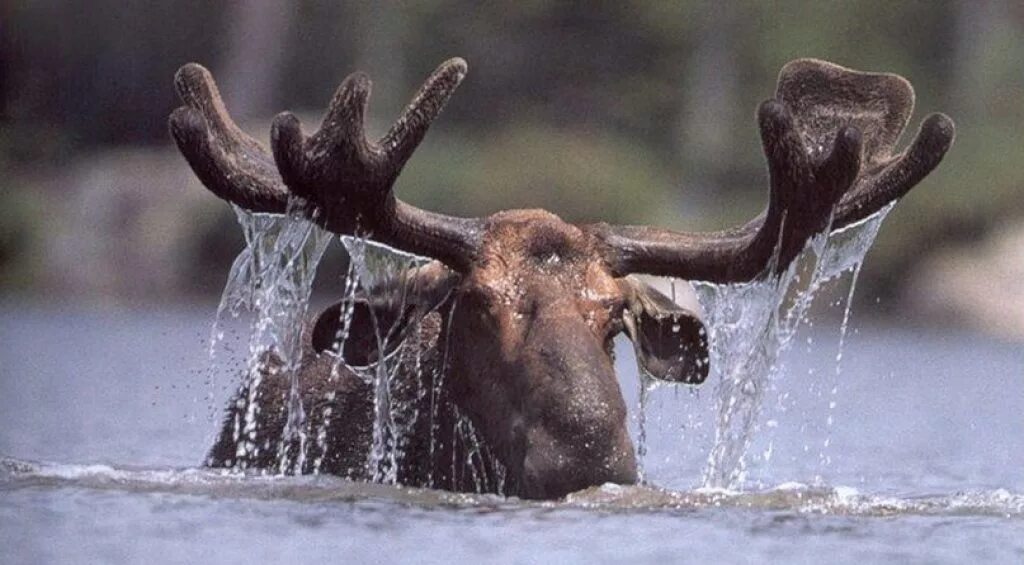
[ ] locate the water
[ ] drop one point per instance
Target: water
(105, 417)
(272, 279)
(752, 324)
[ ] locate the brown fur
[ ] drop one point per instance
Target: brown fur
(341, 404)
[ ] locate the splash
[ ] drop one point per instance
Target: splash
(752, 324)
(403, 386)
(789, 497)
(272, 278)
(371, 266)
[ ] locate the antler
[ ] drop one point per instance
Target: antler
(345, 179)
(828, 138)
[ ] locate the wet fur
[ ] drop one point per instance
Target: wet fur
(349, 428)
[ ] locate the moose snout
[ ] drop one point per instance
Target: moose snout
(574, 434)
(553, 473)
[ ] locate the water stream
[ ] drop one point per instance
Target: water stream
(272, 278)
(751, 325)
(373, 265)
(99, 465)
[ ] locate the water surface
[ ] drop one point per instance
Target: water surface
(913, 452)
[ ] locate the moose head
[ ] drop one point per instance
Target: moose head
(536, 301)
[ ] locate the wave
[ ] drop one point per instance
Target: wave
(789, 497)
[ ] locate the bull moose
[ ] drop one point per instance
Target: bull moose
(515, 316)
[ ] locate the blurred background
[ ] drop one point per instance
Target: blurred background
(637, 112)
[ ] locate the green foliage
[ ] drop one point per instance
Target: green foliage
(580, 175)
(22, 231)
(625, 112)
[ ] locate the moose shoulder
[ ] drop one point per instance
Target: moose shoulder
(534, 302)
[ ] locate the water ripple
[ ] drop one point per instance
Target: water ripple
(787, 498)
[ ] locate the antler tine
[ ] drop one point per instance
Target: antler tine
(342, 131)
(346, 179)
(341, 135)
(857, 117)
(408, 131)
(802, 195)
(231, 164)
(345, 119)
(902, 173)
(350, 179)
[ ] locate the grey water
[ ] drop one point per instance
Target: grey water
(912, 453)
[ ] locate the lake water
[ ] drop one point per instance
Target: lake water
(912, 452)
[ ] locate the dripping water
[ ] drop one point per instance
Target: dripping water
(272, 278)
(375, 265)
(752, 324)
(436, 393)
(823, 458)
(641, 420)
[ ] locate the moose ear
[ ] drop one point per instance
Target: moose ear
(383, 315)
(671, 342)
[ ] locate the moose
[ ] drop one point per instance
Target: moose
(514, 318)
